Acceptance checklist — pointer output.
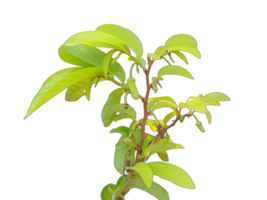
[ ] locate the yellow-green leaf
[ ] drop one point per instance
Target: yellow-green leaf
(97, 39)
(125, 35)
(120, 108)
(121, 116)
(208, 116)
(172, 173)
(196, 105)
(174, 70)
(162, 146)
(76, 91)
(215, 96)
(59, 83)
(183, 42)
(163, 156)
(106, 61)
(163, 104)
(168, 117)
(161, 50)
(181, 55)
(144, 171)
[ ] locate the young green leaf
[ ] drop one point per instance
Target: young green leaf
(120, 108)
(121, 116)
(162, 146)
(182, 42)
(161, 50)
(144, 171)
(76, 91)
(148, 139)
(172, 173)
(154, 56)
(88, 87)
(136, 133)
(122, 130)
(86, 56)
(215, 96)
(174, 70)
(113, 99)
(59, 83)
(156, 190)
(181, 55)
(125, 35)
(165, 104)
(106, 61)
(196, 105)
(163, 156)
(208, 116)
(168, 117)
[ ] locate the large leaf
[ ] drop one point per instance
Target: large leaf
(114, 98)
(125, 35)
(215, 96)
(120, 108)
(183, 42)
(59, 83)
(144, 171)
(86, 56)
(156, 190)
(174, 70)
(105, 194)
(97, 39)
(172, 173)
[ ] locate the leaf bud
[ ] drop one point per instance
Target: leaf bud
(199, 125)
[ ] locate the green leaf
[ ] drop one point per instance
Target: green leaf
(162, 146)
(150, 104)
(105, 194)
(125, 35)
(106, 61)
(154, 56)
(122, 130)
(181, 55)
(183, 42)
(120, 108)
(76, 91)
(163, 104)
(88, 88)
(152, 124)
(174, 70)
(136, 133)
(163, 156)
(86, 56)
(214, 103)
(196, 105)
(172, 173)
(59, 83)
(113, 99)
(121, 116)
(161, 50)
(148, 139)
(97, 39)
(208, 116)
(168, 117)
(120, 153)
(215, 96)
(143, 62)
(144, 171)
(156, 190)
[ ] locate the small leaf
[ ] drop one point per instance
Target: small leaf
(168, 117)
(214, 103)
(136, 133)
(120, 108)
(154, 56)
(144, 171)
(148, 139)
(76, 91)
(181, 55)
(106, 62)
(163, 156)
(174, 70)
(215, 96)
(163, 104)
(152, 124)
(161, 50)
(122, 130)
(172, 173)
(208, 116)
(120, 153)
(182, 105)
(88, 88)
(162, 146)
(121, 116)
(143, 62)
